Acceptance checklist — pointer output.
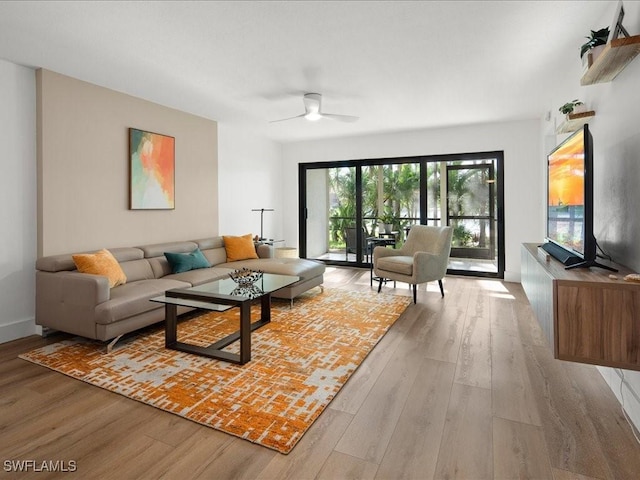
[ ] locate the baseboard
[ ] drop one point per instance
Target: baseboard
(19, 329)
(513, 277)
(625, 389)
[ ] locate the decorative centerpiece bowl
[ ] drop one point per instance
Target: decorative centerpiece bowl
(245, 276)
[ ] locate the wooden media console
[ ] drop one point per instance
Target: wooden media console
(587, 315)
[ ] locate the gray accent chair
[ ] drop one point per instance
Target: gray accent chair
(423, 258)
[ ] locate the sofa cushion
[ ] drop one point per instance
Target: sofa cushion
(202, 275)
(59, 263)
(101, 263)
(213, 249)
(183, 262)
(209, 243)
(133, 299)
(160, 266)
(158, 249)
(302, 268)
(215, 255)
(137, 270)
(239, 248)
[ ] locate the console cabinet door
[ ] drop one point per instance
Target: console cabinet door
(598, 325)
(539, 285)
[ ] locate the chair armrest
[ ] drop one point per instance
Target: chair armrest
(379, 252)
(428, 266)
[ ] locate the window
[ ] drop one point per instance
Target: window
(346, 206)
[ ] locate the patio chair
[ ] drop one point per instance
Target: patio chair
(351, 240)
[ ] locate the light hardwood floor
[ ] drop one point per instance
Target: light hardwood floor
(460, 387)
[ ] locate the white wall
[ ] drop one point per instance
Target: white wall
(616, 133)
(519, 140)
(18, 194)
(249, 177)
(616, 140)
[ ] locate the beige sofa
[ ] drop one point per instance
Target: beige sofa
(83, 304)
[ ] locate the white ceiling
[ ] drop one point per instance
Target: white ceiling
(397, 65)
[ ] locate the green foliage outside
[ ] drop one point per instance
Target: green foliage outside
(468, 197)
(400, 191)
(399, 205)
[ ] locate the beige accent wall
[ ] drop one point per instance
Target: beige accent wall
(83, 169)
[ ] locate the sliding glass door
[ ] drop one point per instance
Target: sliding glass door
(347, 208)
(472, 212)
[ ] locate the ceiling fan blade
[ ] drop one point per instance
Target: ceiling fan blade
(313, 111)
(290, 118)
(342, 118)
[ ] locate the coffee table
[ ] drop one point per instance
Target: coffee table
(221, 295)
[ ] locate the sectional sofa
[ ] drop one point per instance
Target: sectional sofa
(85, 304)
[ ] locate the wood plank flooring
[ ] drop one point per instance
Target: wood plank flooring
(461, 387)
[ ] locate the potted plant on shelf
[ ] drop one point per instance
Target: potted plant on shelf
(594, 46)
(574, 106)
(386, 222)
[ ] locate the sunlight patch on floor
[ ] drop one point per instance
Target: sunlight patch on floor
(493, 286)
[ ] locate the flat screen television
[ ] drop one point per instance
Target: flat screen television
(569, 235)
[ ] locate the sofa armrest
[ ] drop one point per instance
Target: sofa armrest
(67, 301)
(265, 251)
(87, 288)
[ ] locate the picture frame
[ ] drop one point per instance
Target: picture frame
(151, 170)
(616, 29)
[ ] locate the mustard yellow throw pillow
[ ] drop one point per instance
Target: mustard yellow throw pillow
(101, 263)
(239, 248)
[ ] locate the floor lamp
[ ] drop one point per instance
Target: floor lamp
(262, 210)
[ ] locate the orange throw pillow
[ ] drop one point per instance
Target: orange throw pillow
(239, 248)
(101, 263)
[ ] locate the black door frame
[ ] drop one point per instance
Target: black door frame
(489, 167)
(423, 160)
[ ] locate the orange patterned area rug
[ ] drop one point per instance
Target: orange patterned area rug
(299, 362)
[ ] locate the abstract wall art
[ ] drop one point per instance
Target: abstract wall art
(152, 171)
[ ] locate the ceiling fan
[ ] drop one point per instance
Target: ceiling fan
(313, 111)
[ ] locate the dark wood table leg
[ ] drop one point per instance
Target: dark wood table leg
(245, 332)
(170, 325)
(265, 308)
(215, 350)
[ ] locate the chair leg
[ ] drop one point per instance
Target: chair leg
(379, 284)
(441, 287)
(415, 288)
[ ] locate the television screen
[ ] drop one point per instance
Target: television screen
(566, 194)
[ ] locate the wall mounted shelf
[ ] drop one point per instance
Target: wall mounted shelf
(616, 55)
(575, 121)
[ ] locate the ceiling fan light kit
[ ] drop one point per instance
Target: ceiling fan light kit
(313, 117)
(313, 111)
(312, 106)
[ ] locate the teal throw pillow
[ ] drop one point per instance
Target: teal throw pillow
(183, 262)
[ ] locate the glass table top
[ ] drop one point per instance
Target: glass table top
(266, 284)
(227, 289)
